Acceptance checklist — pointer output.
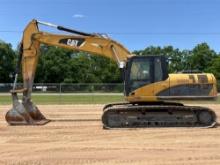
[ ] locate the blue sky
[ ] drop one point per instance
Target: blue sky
(135, 23)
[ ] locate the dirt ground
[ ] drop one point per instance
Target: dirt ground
(76, 137)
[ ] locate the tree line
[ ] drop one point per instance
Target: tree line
(57, 65)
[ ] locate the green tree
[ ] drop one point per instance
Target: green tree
(80, 69)
(85, 68)
(215, 69)
(53, 65)
(57, 65)
(202, 57)
(7, 61)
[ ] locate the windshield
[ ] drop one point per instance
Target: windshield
(140, 73)
(140, 70)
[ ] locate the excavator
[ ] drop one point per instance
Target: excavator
(152, 95)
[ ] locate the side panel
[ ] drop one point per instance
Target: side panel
(177, 86)
(189, 86)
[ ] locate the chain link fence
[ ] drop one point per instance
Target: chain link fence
(68, 88)
(53, 93)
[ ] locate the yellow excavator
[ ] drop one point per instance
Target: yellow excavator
(149, 90)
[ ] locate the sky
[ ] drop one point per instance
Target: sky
(136, 24)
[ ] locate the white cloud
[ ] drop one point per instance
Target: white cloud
(78, 16)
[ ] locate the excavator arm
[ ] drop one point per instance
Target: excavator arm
(26, 112)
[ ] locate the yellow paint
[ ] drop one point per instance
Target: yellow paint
(149, 92)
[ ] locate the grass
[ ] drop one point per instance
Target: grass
(86, 99)
(69, 99)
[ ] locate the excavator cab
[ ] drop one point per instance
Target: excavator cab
(144, 70)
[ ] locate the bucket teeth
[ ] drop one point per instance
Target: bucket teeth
(24, 113)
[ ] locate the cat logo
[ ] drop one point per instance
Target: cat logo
(74, 42)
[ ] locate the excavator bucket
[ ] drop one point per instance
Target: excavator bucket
(24, 113)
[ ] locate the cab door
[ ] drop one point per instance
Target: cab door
(161, 80)
(139, 73)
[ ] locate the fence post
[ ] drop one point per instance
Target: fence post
(60, 85)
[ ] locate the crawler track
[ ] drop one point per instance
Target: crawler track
(125, 115)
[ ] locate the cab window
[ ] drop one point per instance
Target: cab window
(158, 72)
(140, 73)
